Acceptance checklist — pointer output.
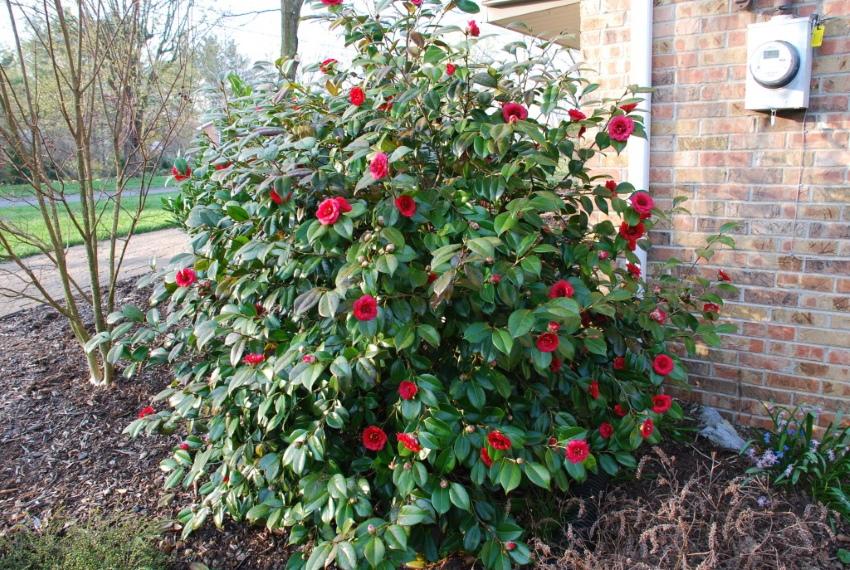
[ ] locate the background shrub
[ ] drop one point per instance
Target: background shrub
(409, 296)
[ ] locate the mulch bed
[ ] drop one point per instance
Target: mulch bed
(62, 454)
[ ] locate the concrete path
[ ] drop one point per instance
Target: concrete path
(143, 249)
(29, 200)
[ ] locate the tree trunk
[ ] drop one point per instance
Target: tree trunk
(290, 14)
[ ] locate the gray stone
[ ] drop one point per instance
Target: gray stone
(718, 430)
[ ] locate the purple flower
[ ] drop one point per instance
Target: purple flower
(768, 459)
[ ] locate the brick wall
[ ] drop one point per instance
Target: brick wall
(786, 184)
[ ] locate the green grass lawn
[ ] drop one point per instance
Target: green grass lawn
(20, 190)
(29, 218)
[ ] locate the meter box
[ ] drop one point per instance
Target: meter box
(779, 64)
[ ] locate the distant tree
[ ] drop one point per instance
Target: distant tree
(119, 76)
(290, 16)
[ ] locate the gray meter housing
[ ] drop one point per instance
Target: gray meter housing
(779, 64)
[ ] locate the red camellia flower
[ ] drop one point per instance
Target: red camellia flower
(723, 276)
(658, 316)
(619, 363)
(328, 212)
(327, 65)
(646, 428)
(380, 166)
(663, 364)
(184, 446)
(620, 410)
(275, 197)
(407, 390)
(495, 279)
(181, 176)
(553, 327)
(485, 457)
(331, 2)
(629, 107)
(374, 438)
(223, 165)
(146, 411)
(548, 342)
(661, 403)
(593, 389)
(632, 233)
(450, 69)
(711, 308)
(620, 128)
(365, 308)
(634, 270)
(472, 28)
(577, 451)
(254, 358)
(642, 203)
(606, 430)
(556, 364)
(185, 277)
(611, 185)
(510, 545)
(342, 204)
(513, 112)
(561, 288)
(603, 255)
(406, 205)
(576, 115)
(308, 359)
(356, 96)
(498, 440)
(432, 277)
(416, 2)
(409, 441)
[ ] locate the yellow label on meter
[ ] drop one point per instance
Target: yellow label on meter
(817, 35)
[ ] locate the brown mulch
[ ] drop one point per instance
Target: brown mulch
(63, 456)
(62, 452)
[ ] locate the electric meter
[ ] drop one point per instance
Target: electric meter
(779, 64)
(775, 63)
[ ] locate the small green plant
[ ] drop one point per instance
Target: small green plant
(105, 544)
(793, 456)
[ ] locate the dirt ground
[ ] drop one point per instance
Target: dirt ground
(62, 455)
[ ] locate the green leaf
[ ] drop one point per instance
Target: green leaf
(510, 476)
(374, 551)
(440, 500)
(459, 496)
(537, 474)
(396, 537)
(520, 322)
(503, 341)
(97, 340)
(238, 213)
(346, 557)
(468, 6)
(504, 222)
(429, 334)
(411, 515)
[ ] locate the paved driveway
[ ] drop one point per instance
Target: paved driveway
(143, 249)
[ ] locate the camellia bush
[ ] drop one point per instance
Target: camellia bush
(409, 299)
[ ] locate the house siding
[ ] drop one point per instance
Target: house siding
(786, 184)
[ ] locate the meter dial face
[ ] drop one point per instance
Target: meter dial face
(774, 64)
